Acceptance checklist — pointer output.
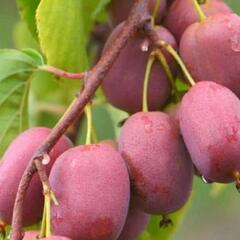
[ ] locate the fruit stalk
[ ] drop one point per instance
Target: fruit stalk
(155, 10)
(138, 16)
(150, 62)
(152, 34)
(163, 61)
(88, 112)
(48, 198)
(199, 11)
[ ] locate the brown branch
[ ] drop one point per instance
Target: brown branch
(138, 16)
(153, 36)
(150, 31)
(42, 174)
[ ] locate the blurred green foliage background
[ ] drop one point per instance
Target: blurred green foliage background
(214, 212)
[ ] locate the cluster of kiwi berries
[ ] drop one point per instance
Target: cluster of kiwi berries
(107, 191)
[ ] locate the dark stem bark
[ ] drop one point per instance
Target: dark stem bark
(138, 16)
(153, 36)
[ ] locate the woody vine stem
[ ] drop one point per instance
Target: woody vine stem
(138, 17)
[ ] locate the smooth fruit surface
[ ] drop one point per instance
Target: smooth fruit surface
(135, 224)
(93, 193)
(182, 14)
(123, 85)
(33, 235)
(210, 121)
(14, 162)
(111, 143)
(211, 50)
(160, 169)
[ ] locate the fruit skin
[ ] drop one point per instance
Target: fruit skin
(56, 238)
(211, 50)
(160, 169)
(93, 193)
(135, 224)
(123, 85)
(182, 14)
(210, 122)
(111, 143)
(119, 10)
(33, 235)
(14, 162)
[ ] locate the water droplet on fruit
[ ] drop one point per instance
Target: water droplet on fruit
(206, 180)
(46, 159)
(144, 48)
(235, 42)
(148, 127)
(145, 45)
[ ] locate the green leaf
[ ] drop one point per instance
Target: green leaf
(48, 100)
(15, 70)
(64, 28)
(35, 55)
(100, 8)
(7, 229)
(22, 36)
(28, 10)
(61, 26)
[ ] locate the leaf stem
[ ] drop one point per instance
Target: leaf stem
(61, 73)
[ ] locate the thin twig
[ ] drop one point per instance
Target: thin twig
(61, 73)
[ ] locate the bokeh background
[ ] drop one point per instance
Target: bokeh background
(214, 211)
